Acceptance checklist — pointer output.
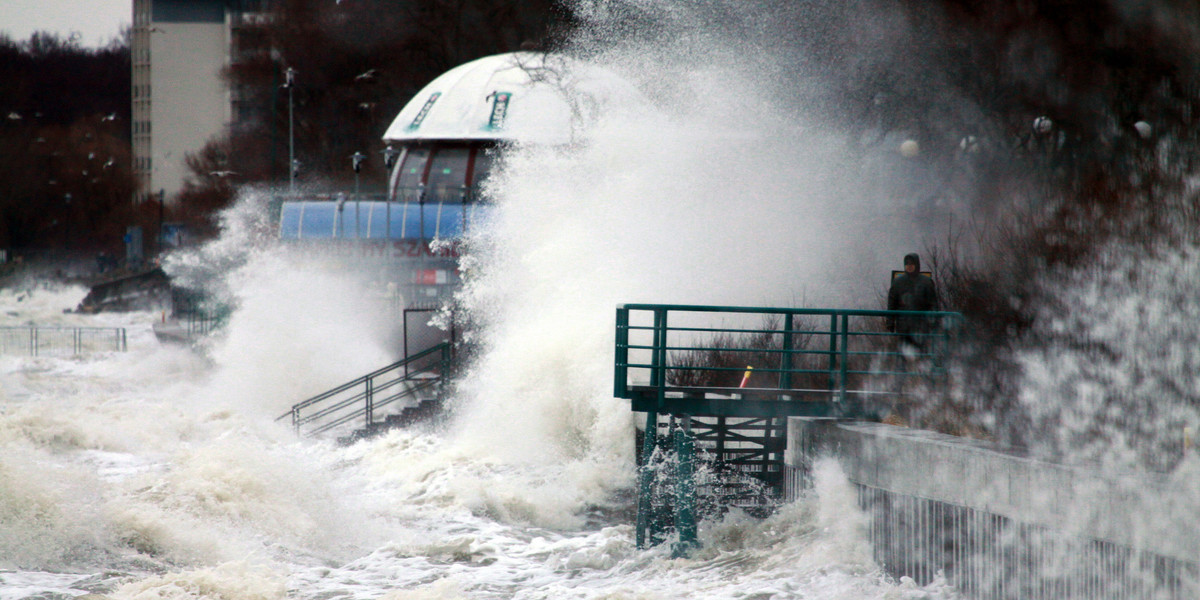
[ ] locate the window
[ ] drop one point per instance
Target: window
(412, 171)
(448, 174)
(485, 158)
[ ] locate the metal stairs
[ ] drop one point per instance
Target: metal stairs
(402, 394)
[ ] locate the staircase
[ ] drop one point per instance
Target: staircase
(746, 457)
(401, 394)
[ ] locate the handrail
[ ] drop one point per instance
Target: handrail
(796, 353)
(37, 339)
(427, 369)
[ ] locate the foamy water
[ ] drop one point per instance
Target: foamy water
(160, 472)
(132, 475)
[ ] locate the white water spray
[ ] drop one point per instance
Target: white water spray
(722, 194)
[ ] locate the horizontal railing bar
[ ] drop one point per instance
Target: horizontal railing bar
(775, 350)
(329, 394)
(772, 350)
(714, 434)
(340, 421)
(58, 328)
(728, 436)
(362, 411)
(361, 381)
(785, 311)
(760, 370)
(351, 385)
(324, 412)
(728, 369)
(56, 339)
(771, 332)
(331, 409)
(362, 396)
(650, 390)
(705, 349)
(390, 399)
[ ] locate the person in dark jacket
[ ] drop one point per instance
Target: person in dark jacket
(912, 290)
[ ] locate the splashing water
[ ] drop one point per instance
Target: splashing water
(160, 473)
(1118, 389)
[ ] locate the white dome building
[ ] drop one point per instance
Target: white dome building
(443, 144)
(446, 132)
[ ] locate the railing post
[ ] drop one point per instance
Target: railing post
(33, 341)
(845, 356)
(369, 397)
(658, 362)
(444, 371)
(405, 317)
(833, 352)
(621, 360)
(785, 359)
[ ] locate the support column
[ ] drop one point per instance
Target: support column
(685, 489)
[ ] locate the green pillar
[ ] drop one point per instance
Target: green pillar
(685, 489)
(645, 483)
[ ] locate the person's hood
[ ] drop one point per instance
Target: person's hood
(914, 259)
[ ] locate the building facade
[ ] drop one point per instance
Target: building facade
(181, 101)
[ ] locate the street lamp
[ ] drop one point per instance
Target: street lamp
(293, 165)
(357, 161)
(162, 207)
(390, 156)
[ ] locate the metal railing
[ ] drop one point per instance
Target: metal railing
(726, 376)
(362, 398)
(199, 323)
(788, 354)
(52, 341)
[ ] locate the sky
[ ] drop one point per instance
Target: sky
(96, 21)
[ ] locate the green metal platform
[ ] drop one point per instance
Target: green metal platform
(717, 383)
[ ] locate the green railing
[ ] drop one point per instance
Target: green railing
(42, 341)
(362, 398)
(734, 372)
(199, 323)
(758, 362)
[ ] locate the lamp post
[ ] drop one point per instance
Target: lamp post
(390, 156)
(68, 220)
(357, 161)
(162, 204)
(293, 165)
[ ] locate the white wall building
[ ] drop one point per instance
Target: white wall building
(180, 100)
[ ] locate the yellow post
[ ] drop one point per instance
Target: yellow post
(746, 377)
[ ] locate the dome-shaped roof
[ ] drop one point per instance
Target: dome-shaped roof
(520, 96)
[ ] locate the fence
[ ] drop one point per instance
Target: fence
(57, 341)
(998, 524)
(776, 361)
